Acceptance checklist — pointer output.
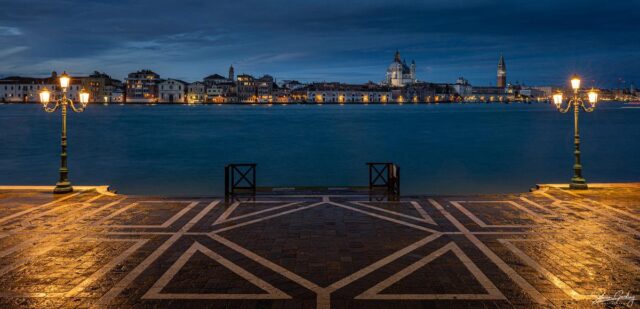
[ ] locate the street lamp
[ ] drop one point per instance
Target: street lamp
(63, 185)
(577, 181)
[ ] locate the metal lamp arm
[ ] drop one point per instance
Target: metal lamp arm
(587, 109)
(49, 109)
(74, 108)
(566, 109)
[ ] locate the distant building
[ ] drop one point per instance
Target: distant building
(532, 93)
(426, 93)
(101, 87)
(16, 89)
(291, 84)
(488, 94)
(264, 89)
(547, 91)
(113, 94)
(462, 87)
(171, 91)
(502, 73)
(346, 93)
(142, 87)
(220, 89)
(281, 94)
(399, 74)
(196, 93)
(247, 91)
(215, 79)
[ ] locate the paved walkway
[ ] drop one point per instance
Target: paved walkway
(549, 248)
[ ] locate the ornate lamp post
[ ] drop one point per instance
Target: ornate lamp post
(63, 185)
(577, 181)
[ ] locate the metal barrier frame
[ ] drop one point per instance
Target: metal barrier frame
(384, 175)
(245, 182)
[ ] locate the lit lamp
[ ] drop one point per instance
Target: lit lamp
(575, 82)
(593, 97)
(577, 181)
(45, 95)
(63, 185)
(64, 80)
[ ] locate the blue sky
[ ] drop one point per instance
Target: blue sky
(351, 41)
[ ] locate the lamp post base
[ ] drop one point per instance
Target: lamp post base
(578, 184)
(62, 188)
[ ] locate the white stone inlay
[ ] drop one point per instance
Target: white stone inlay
(492, 290)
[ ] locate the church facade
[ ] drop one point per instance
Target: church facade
(399, 74)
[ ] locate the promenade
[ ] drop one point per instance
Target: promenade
(547, 248)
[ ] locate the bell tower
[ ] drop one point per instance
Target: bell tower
(502, 73)
(231, 72)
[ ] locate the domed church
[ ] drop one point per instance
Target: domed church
(399, 74)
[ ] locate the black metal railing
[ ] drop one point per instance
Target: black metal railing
(384, 175)
(239, 178)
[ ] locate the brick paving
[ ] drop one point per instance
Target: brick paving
(547, 248)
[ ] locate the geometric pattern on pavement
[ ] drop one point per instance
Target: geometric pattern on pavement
(550, 247)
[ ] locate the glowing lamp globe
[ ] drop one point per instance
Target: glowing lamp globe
(575, 82)
(84, 96)
(593, 97)
(45, 95)
(557, 99)
(64, 80)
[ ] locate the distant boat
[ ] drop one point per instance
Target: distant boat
(633, 103)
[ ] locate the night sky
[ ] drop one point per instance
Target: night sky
(543, 41)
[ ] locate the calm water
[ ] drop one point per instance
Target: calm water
(181, 150)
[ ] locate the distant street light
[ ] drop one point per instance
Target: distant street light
(577, 181)
(63, 185)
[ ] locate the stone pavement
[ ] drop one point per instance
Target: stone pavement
(547, 248)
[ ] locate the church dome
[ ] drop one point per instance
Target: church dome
(395, 66)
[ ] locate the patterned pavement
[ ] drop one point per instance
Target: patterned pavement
(547, 248)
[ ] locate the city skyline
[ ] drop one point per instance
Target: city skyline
(542, 43)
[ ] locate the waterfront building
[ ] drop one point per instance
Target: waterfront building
(531, 93)
(300, 95)
(488, 94)
(113, 94)
(399, 74)
(246, 88)
(281, 94)
(220, 89)
(215, 94)
(100, 86)
(292, 84)
(462, 87)
(264, 89)
(547, 91)
(347, 93)
(17, 89)
(502, 73)
(215, 79)
(196, 93)
(142, 87)
(255, 90)
(171, 91)
(425, 92)
(222, 92)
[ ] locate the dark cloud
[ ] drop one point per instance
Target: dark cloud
(543, 41)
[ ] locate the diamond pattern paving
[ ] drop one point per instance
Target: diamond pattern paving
(548, 248)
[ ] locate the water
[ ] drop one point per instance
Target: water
(445, 149)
